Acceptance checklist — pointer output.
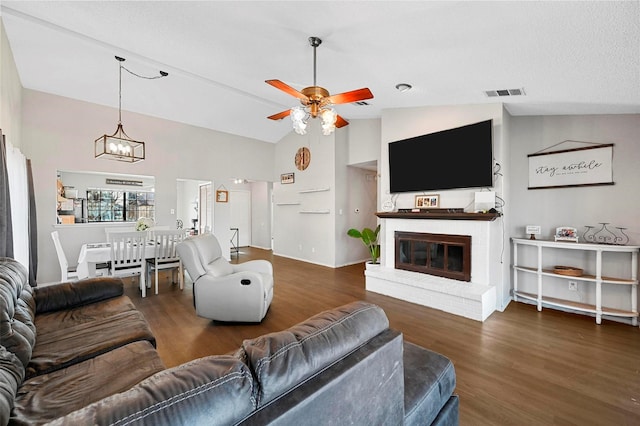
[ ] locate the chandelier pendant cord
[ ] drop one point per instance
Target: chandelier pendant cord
(122, 67)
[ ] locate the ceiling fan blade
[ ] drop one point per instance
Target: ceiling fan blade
(352, 96)
(341, 122)
(287, 89)
(280, 115)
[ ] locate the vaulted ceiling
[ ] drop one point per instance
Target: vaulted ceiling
(569, 57)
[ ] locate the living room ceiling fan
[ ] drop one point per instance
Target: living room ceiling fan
(316, 101)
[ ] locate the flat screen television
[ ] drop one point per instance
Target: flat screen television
(454, 158)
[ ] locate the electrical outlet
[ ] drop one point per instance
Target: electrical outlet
(573, 286)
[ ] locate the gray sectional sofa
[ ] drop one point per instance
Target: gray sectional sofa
(80, 353)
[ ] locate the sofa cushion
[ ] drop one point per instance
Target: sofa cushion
(281, 360)
(55, 321)
(361, 388)
(49, 396)
(219, 267)
(17, 310)
(207, 247)
(11, 376)
(71, 295)
(429, 381)
(189, 256)
(77, 339)
(216, 390)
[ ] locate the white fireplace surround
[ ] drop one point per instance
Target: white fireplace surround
(475, 300)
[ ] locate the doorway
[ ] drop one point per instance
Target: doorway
(240, 215)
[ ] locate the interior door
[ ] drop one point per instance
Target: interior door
(205, 209)
(240, 215)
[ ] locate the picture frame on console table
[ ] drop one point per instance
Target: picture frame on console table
(427, 201)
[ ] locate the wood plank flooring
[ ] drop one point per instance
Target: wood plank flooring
(519, 367)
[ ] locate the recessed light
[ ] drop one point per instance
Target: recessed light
(403, 87)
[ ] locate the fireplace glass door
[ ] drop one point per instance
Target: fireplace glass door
(436, 254)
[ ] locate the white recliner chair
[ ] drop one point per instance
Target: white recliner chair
(223, 291)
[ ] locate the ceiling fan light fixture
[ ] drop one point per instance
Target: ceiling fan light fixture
(299, 117)
(329, 116)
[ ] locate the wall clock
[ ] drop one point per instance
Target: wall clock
(303, 158)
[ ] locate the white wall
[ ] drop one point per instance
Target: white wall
(364, 141)
(308, 237)
(617, 204)
(58, 134)
(261, 214)
(10, 93)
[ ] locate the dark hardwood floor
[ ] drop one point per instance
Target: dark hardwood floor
(519, 367)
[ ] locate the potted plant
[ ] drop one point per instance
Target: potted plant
(370, 239)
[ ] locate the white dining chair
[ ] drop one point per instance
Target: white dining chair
(67, 272)
(128, 256)
(166, 256)
(71, 272)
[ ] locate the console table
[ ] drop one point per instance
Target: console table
(601, 282)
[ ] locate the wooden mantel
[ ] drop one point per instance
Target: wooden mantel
(487, 217)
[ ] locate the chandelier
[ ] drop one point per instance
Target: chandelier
(119, 146)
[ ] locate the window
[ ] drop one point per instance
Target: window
(119, 206)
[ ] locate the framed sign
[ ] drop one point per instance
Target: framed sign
(222, 196)
(586, 166)
(426, 201)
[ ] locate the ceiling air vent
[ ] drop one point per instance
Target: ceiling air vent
(362, 103)
(505, 92)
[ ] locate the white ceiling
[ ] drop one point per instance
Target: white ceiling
(570, 57)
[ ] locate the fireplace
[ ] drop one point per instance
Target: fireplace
(442, 255)
(473, 296)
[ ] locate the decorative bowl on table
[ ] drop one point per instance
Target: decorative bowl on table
(567, 270)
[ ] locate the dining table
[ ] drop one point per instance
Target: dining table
(92, 254)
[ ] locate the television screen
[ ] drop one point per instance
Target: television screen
(455, 158)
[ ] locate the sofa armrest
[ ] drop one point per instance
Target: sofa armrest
(215, 390)
(73, 294)
(261, 266)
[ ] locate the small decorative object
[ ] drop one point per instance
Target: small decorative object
(533, 230)
(604, 235)
(287, 178)
(388, 206)
(369, 239)
(567, 270)
(303, 158)
(144, 223)
(588, 235)
(566, 233)
(427, 201)
(222, 196)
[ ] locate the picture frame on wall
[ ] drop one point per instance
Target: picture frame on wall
(222, 196)
(430, 201)
(287, 178)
